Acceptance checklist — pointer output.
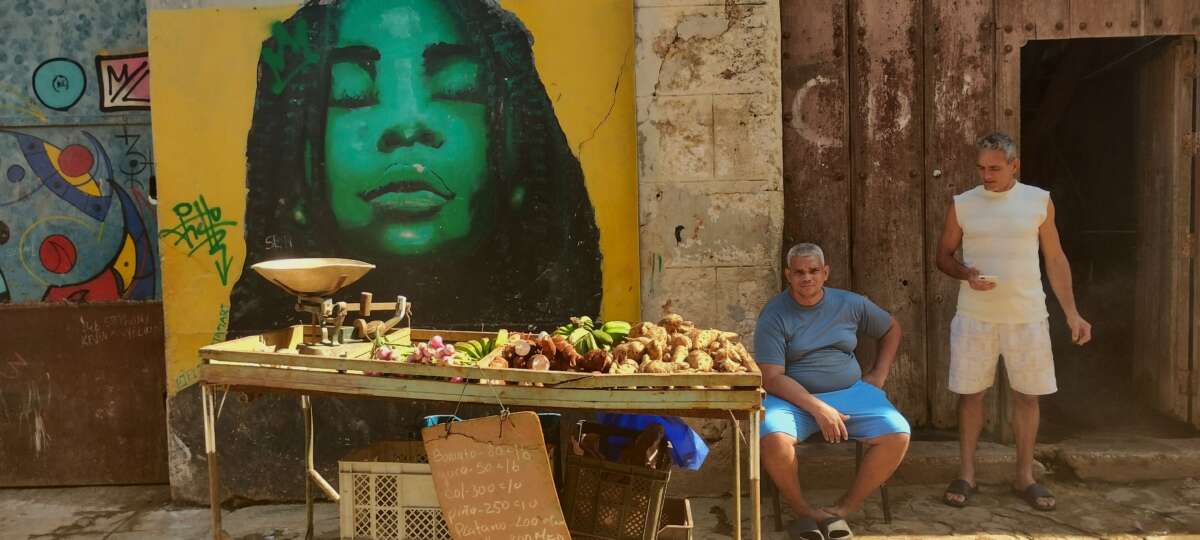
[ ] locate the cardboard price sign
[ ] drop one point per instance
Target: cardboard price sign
(493, 479)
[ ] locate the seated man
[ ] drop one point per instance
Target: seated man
(804, 343)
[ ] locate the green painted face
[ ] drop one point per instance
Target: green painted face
(406, 131)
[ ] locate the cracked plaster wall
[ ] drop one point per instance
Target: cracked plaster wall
(710, 156)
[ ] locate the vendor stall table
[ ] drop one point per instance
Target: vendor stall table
(269, 363)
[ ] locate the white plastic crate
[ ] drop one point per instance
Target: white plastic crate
(384, 500)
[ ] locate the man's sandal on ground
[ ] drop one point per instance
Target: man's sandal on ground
(1036, 491)
(962, 488)
(836, 528)
(804, 528)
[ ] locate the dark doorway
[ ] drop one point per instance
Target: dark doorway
(1103, 124)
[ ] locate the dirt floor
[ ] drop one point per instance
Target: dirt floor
(1163, 509)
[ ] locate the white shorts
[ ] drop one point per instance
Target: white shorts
(976, 346)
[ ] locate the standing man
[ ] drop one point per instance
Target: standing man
(1002, 308)
(804, 342)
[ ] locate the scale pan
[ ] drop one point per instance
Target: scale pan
(318, 277)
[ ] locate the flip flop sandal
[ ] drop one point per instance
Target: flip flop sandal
(804, 529)
(1032, 493)
(959, 487)
(836, 528)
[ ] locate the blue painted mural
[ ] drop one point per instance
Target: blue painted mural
(77, 184)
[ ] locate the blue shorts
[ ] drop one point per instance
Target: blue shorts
(871, 414)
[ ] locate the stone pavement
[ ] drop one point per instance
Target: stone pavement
(1159, 509)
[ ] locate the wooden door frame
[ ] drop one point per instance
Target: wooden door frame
(1020, 21)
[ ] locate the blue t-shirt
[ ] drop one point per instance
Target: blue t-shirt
(815, 344)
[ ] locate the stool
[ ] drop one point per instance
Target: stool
(859, 449)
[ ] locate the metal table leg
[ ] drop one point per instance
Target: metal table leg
(311, 476)
(207, 403)
(306, 406)
(755, 474)
(737, 479)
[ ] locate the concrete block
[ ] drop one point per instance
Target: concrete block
(1132, 460)
(674, 290)
(694, 226)
(746, 135)
(928, 462)
(741, 294)
(707, 49)
(675, 138)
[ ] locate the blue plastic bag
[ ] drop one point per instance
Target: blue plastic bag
(688, 450)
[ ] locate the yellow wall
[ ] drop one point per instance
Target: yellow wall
(205, 65)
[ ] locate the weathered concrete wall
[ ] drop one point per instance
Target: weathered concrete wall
(710, 153)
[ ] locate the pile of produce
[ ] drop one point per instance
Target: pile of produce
(673, 345)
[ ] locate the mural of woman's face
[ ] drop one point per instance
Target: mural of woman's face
(406, 129)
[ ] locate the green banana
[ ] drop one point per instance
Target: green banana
(577, 335)
(602, 338)
(501, 339)
(617, 327)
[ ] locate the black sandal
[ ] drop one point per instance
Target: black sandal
(1036, 491)
(836, 528)
(804, 529)
(959, 487)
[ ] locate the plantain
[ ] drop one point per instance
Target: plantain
(603, 339)
(616, 327)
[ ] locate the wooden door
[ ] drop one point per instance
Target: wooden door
(1165, 103)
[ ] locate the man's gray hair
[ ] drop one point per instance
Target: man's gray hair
(998, 141)
(806, 250)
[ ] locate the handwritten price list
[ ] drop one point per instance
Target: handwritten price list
(493, 479)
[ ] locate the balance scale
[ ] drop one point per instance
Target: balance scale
(314, 281)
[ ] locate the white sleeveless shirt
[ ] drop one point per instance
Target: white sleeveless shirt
(1000, 238)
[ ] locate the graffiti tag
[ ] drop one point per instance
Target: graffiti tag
(97, 331)
(124, 82)
(288, 44)
(201, 225)
(187, 379)
(222, 324)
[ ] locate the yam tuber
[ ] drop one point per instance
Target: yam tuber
(641, 329)
(728, 366)
(704, 338)
(656, 366)
(596, 360)
(628, 367)
(679, 355)
(655, 350)
(671, 323)
(700, 361)
(548, 346)
(679, 340)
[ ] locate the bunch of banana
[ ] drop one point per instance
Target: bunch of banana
(585, 336)
(479, 348)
